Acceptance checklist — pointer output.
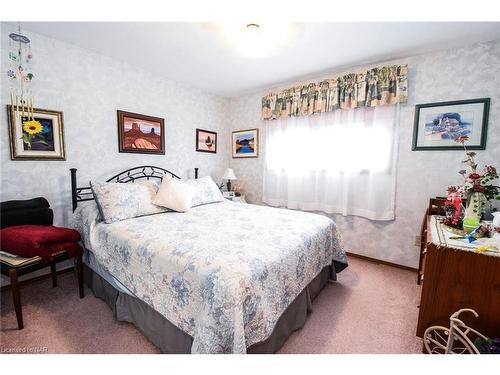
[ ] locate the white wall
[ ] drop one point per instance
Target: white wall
(89, 88)
(461, 73)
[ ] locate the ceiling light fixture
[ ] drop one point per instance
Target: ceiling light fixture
(257, 40)
(252, 41)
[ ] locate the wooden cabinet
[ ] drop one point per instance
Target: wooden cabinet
(455, 278)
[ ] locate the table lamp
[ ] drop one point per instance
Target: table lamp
(229, 175)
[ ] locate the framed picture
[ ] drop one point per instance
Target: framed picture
(140, 134)
(40, 138)
(437, 125)
(206, 141)
(246, 143)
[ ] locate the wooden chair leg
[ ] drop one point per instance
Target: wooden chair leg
(53, 273)
(79, 273)
(16, 297)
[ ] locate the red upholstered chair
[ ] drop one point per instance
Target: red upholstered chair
(36, 217)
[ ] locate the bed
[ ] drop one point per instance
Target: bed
(221, 278)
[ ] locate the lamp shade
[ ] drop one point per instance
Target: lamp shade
(229, 174)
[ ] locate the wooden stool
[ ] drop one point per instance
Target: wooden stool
(14, 266)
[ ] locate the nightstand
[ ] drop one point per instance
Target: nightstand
(239, 199)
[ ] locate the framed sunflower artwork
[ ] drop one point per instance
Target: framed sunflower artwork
(40, 137)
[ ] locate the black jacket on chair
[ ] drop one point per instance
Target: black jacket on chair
(34, 211)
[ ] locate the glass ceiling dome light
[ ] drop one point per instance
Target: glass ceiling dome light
(252, 41)
(256, 40)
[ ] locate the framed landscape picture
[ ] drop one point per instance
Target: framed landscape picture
(206, 141)
(37, 138)
(437, 125)
(140, 134)
(246, 143)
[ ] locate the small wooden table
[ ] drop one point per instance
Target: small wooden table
(455, 277)
(13, 267)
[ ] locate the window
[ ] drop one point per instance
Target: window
(339, 162)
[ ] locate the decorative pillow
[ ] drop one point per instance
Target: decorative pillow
(205, 191)
(120, 201)
(174, 194)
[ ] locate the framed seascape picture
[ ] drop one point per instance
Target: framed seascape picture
(206, 141)
(246, 143)
(38, 138)
(140, 134)
(437, 125)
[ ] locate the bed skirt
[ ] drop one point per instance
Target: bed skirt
(170, 339)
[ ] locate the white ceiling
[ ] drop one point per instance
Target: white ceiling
(207, 55)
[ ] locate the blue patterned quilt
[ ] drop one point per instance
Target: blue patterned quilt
(223, 273)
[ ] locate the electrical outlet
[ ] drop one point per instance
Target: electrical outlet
(417, 240)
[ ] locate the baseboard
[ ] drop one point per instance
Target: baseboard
(37, 278)
(364, 257)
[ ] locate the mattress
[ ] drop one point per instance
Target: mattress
(223, 273)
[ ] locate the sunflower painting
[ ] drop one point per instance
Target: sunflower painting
(38, 134)
(37, 138)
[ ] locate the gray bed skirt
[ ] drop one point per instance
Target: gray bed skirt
(170, 339)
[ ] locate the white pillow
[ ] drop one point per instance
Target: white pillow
(205, 191)
(174, 194)
(120, 201)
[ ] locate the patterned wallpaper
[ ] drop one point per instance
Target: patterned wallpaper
(460, 73)
(89, 88)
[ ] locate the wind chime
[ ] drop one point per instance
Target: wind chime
(20, 76)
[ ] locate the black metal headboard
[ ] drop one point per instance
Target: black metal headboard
(81, 194)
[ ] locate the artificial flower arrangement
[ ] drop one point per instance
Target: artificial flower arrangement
(477, 188)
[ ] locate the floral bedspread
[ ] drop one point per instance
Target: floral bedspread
(223, 272)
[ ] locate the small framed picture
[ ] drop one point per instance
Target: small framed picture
(246, 143)
(206, 141)
(37, 138)
(437, 125)
(140, 134)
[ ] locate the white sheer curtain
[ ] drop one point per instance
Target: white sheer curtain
(339, 162)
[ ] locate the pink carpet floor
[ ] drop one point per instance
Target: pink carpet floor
(371, 309)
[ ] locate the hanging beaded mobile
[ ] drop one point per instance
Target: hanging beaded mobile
(19, 74)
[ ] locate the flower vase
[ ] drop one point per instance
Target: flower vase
(474, 210)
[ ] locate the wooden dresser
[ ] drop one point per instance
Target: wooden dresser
(454, 278)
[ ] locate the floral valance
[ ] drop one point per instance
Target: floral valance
(378, 86)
